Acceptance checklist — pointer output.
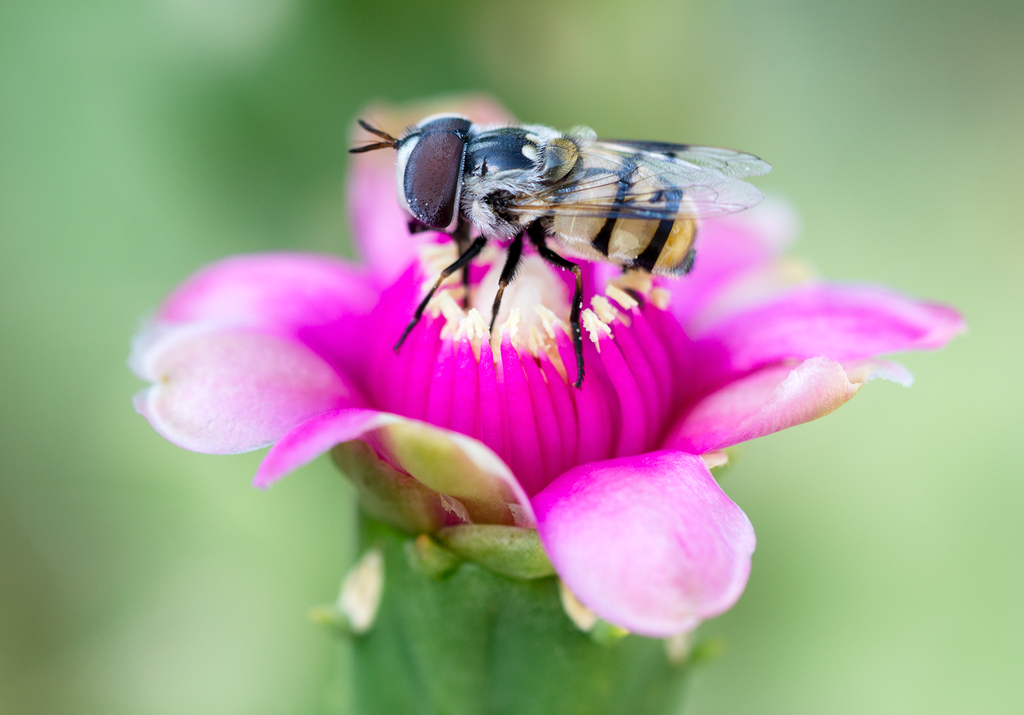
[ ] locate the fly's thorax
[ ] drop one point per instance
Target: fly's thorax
(505, 164)
(501, 165)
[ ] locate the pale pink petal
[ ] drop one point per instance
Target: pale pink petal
(229, 391)
(380, 225)
(452, 464)
(773, 399)
(728, 251)
(272, 290)
(839, 322)
(649, 543)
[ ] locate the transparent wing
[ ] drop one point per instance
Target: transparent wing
(650, 180)
(729, 162)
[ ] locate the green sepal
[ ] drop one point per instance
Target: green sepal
(385, 493)
(708, 650)
(427, 557)
(511, 551)
(476, 642)
(604, 633)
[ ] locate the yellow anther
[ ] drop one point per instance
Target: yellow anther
(595, 326)
(621, 297)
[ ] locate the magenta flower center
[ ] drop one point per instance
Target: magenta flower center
(511, 392)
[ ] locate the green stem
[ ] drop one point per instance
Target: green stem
(474, 642)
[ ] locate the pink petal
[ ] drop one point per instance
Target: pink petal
(728, 250)
(524, 442)
(273, 290)
(649, 543)
(447, 462)
(839, 322)
(379, 223)
(230, 391)
(773, 399)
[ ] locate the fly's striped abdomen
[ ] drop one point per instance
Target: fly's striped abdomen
(656, 245)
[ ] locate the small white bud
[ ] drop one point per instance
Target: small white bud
(715, 459)
(583, 617)
(678, 647)
(361, 591)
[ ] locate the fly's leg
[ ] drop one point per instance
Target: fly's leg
(508, 274)
(461, 237)
(539, 239)
(468, 255)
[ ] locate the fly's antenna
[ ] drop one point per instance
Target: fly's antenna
(388, 140)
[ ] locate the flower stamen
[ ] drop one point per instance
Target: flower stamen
(641, 283)
(621, 297)
(595, 327)
(660, 298)
(607, 312)
(444, 304)
(515, 317)
(548, 319)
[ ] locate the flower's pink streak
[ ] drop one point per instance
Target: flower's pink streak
(297, 350)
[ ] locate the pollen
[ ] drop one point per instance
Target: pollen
(546, 341)
(473, 328)
(621, 297)
(660, 298)
(435, 257)
(595, 327)
(604, 309)
(451, 311)
(515, 317)
(637, 281)
(549, 320)
(534, 341)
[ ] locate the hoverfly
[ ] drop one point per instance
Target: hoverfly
(633, 203)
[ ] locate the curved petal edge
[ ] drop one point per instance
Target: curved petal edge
(225, 391)
(774, 398)
(272, 290)
(477, 485)
(648, 543)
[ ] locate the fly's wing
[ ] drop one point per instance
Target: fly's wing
(649, 181)
(728, 162)
(635, 203)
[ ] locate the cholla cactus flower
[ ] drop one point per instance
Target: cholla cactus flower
(463, 427)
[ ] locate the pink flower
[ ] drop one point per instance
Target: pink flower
(295, 351)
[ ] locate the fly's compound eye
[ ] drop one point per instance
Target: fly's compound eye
(433, 171)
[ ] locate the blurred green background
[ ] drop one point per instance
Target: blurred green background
(140, 139)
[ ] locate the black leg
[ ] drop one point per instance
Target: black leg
(468, 255)
(461, 238)
(539, 239)
(508, 273)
